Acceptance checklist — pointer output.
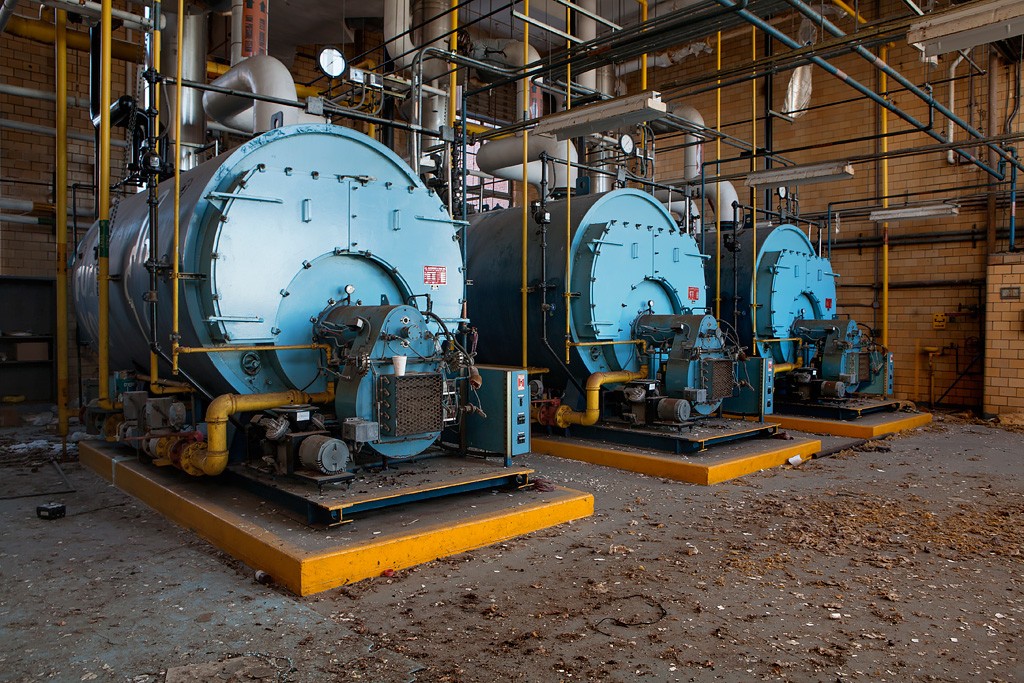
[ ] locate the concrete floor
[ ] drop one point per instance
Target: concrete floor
(896, 562)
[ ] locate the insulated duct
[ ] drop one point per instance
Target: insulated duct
(397, 21)
(193, 119)
(259, 75)
(504, 159)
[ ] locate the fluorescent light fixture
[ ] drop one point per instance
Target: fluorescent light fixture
(807, 174)
(605, 115)
(974, 24)
(911, 212)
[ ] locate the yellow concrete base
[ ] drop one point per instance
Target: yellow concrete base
(710, 467)
(866, 427)
(309, 561)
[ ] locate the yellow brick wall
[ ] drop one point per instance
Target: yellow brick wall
(927, 277)
(1004, 343)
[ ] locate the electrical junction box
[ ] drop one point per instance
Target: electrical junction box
(757, 395)
(505, 399)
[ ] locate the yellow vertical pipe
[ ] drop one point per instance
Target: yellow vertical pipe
(61, 202)
(103, 251)
(753, 167)
(884, 86)
(718, 185)
(643, 71)
(175, 251)
(526, 171)
(568, 197)
(154, 371)
(453, 46)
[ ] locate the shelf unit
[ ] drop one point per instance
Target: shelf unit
(27, 324)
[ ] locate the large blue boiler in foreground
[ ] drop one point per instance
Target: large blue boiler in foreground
(637, 311)
(818, 356)
(311, 236)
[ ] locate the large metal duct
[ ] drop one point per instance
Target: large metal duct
(193, 118)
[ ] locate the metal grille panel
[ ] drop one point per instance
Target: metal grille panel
(723, 376)
(411, 404)
(863, 366)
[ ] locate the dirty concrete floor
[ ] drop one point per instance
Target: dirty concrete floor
(898, 562)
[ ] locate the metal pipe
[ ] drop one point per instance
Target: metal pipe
(993, 85)
(94, 9)
(718, 186)
(103, 208)
(883, 86)
(566, 416)
(526, 192)
(211, 458)
(35, 94)
(643, 57)
(853, 83)
(61, 201)
(950, 156)
(879, 63)
(1013, 206)
(567, 294)
(6, 11)
(42, 32)
(753, 191)
(10, 124)
(176, 240)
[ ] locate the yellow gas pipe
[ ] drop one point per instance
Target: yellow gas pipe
(42, 32)
(453, 46)
(643, 71)
(103, 251)
(211, 457)
(566, 416)
(61, 199)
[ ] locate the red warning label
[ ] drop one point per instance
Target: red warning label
(435, 275)
(521, 382)
(692, 293)
(828, 304)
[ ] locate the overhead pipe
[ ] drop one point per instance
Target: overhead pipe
(878, 63)
(499, 158)
(61, 201)
(42, 32)
(778, 35)
(10, 124)
(131, 21)
(950, 156)
(261, 74)
(6, 11)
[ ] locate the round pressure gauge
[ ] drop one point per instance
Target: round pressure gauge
(626, 144)
(332, 62)
(782, 191)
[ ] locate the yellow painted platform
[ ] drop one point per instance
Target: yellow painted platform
(308, 560)
(866, 427)
(710, 467)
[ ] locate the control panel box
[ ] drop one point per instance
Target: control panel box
(504, 399)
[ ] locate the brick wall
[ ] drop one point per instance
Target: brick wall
(1004, 343)
(935, 265)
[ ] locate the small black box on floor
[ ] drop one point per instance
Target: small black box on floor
(50, 510)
